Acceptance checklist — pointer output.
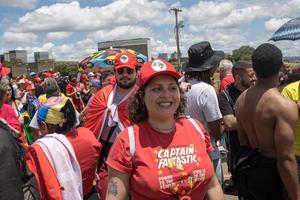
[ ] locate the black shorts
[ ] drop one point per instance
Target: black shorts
(260, 182)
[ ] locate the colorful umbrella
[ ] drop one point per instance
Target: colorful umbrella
(105, 58)
(85, 62)
(288, 31)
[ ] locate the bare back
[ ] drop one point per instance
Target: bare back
(264, 117)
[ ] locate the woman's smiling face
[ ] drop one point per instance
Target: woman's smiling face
(162, 97)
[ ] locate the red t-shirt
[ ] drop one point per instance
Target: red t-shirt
(225, 82)
(80, 86)
(76, 100)
(87, 149)
(165, 165)
(8, 113)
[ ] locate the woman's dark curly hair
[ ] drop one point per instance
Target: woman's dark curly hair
(138, 111)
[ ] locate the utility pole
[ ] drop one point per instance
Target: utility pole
(176, 10)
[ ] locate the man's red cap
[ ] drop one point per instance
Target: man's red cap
(156, 67)
(27, 82)
(125, 60)
(29, 87)
(47, 75)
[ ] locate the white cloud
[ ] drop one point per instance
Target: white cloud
(219, 39)
(273, 24)
(74, 51)
(71, 17)
(206, 12)
(57, 36)
(158, 46)
(209, 14)
(121, 32)
(223, 23)
(289, 48)
(65, 1)
(283, 8)
(46, 47)
(241, 16)
(19, 3)
(26, 38)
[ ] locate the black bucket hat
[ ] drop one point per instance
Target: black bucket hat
(202, 57)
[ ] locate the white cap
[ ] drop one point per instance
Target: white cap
(32, 73)
(90, 74)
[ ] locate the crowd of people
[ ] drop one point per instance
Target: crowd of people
(151, 132)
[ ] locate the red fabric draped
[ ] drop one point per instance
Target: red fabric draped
(39, 165)
(96, 110)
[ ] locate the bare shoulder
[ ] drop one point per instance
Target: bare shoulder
(241, 100)
(284, 107)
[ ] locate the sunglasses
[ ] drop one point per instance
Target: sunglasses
(122, 70)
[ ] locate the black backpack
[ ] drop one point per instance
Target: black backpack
(30, 187)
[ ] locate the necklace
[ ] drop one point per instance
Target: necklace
(166, 130)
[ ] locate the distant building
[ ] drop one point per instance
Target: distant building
(41, 56)
(41, 65)
(6, 57)
(163, 56)
(140, 45)
(18, 69)
(1, 58)
(16, 55)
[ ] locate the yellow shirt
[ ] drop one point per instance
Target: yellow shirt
(292, 91)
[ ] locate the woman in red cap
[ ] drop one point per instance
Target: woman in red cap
(165, 154)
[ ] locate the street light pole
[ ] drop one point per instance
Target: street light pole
(176, 10)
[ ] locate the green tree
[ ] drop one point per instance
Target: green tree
(65, 69)
(243, 53)
(229, 57)
(8, 64)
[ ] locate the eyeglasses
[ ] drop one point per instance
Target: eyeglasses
(122, 70)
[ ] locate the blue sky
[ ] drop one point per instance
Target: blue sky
(70, 30)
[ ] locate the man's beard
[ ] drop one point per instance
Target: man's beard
(245, 84)
(128, 85)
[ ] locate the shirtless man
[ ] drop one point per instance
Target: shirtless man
(266, 122)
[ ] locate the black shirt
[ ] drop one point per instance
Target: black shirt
(227, 99)
(11, 161)
(226, 103)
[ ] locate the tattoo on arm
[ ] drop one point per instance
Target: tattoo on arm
(113, 188)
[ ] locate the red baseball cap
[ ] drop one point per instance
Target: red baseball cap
(30, 87)
(4, 70)
(27, 82)
(156, 67)
(125, 60)
(47, 75)
(84, 77)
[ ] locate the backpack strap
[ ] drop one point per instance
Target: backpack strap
(194, 123)
(131, 142)
(229, 99)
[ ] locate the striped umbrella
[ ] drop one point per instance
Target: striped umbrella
(288, 31)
